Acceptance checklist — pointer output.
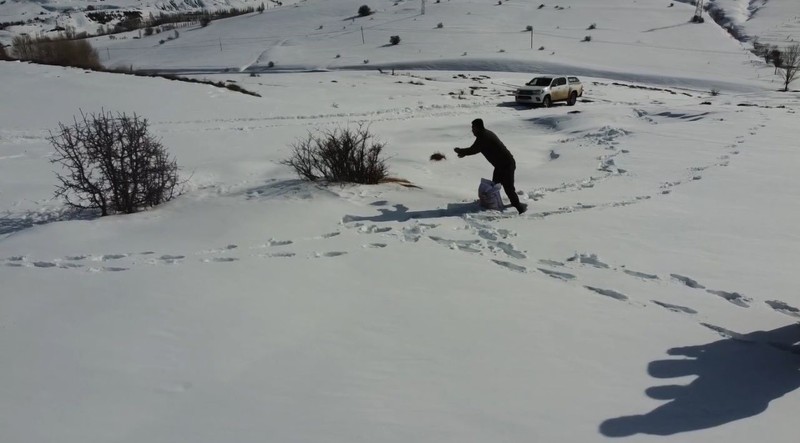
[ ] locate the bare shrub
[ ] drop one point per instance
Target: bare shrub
(111, 163)
(588, 38)
(339, 155)
(592, 26)
(3, 54)
(394, 40)
(364, 11)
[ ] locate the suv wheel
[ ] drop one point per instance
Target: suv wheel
(546, 102)
(573, 98)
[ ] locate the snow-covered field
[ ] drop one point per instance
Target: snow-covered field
(648, 294)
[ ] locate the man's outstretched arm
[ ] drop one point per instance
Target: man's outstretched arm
(472, 150)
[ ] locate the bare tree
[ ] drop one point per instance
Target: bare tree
(111, 163)
(790, 63)
(777, 58)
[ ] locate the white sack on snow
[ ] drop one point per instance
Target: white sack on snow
(489, 195)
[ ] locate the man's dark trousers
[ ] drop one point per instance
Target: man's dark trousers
(505, 176)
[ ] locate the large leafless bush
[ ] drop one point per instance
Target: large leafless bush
(112, 163)
(339, 155)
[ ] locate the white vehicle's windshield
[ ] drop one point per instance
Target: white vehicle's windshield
(540, 81)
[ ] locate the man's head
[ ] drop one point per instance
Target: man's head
(477, 126)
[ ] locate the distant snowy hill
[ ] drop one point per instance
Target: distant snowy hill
(46, 16)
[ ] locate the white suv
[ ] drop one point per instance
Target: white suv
(544, 91)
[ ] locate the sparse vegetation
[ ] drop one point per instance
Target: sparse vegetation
(341, 155)
(394, 40)
(439, 25)
(588, 38)
(714, 92)
(111, 163)
(592, 26)
(438, 156)
(364, 11)
(529, 28)
(3, 54)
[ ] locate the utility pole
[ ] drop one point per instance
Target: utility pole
(362, 36)
(698, 12)
(531, 37)
(220, 43)
(422, 11)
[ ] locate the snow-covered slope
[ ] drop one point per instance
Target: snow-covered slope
(649, 293)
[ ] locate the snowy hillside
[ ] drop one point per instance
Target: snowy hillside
(47, 17)
(648, 293)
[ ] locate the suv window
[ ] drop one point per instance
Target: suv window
(573, 79)
(560, 81)
(540, 81)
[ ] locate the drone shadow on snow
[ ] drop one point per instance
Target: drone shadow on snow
(736, 378)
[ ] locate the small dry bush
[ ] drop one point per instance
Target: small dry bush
(343, 155)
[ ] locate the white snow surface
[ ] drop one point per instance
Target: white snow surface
(648, 294)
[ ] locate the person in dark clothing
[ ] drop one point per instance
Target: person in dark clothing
(487, 143)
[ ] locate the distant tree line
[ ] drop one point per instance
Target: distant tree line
(786, 61)
(132, 20)
(59, 51)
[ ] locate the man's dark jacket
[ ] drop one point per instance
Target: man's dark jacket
(487, 143)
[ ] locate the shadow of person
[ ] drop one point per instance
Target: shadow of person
(401, 213)
(736, 378)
